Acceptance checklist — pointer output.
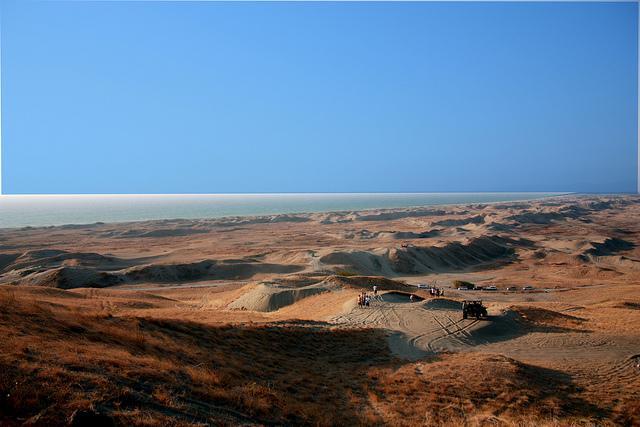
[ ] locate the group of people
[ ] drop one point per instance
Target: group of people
(436, 292)
(364, 299)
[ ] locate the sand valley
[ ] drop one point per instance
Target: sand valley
(254, 320)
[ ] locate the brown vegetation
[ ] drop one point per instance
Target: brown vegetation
(57, 362)
(254, 320)
(474, 390)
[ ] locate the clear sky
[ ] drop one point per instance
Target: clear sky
(209, 97)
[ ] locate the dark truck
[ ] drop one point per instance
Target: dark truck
(473, 308)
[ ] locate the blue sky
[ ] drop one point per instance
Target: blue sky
(207, 97)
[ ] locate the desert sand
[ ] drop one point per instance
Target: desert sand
(254, 320)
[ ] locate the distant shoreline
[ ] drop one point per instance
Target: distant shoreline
(86, 210)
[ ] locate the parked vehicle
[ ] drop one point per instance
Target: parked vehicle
(461, 285)
(491, 288)
(512, 288)
(528, 288)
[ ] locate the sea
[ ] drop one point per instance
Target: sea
(50, 210)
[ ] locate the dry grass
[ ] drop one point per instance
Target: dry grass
(549, 320)
(477, 390)
(56, 359)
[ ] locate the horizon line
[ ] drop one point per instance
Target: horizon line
(294, 193)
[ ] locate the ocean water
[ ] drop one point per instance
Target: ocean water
(46, 210)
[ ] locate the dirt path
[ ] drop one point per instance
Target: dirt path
(416, 328)
(419, 329)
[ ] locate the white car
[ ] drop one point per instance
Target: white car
(491, 288)
(423, 286)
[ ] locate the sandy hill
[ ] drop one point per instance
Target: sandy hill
(254, 320)
(61, 365)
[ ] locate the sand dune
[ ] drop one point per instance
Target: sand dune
(237, 221)
(536, 317)
(69, 278)
(72, 270)
(478, 219)
(272, 296)
(453, 256)
(390, 235)
(158, 233)
(51, 258)
(407, 235)
(278, 245)
(254, 320)
(265, 297)
(536, 217)
(500, 227)
(207, 269)
(390, 215)
(610, 246)
(7, 260)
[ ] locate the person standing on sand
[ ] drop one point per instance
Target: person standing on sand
(375, 290)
